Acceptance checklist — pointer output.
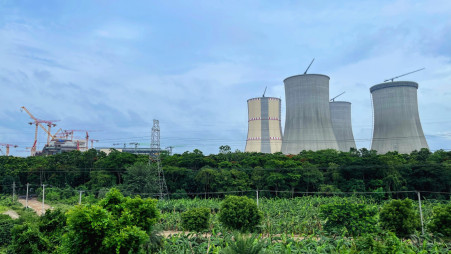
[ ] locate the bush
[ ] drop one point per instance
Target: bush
(196, 219)
(441, 220)
(52, 224)
(6, 224)
(399, 217)
(240, 213)
(27, 239)
(349, 218)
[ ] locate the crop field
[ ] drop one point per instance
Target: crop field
(299, 216)
(289, 225)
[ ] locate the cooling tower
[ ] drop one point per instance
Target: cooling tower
(307, 124)
(264, 132)
(340, 115)
(397, 124)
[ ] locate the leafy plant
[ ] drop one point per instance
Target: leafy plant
(441, 220)
(196, 219)
(26, 239)
(244, 245)
(399, 217)
(6, 224)
(349, 218)
(239, 213)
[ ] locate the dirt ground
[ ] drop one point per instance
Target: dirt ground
(35, 205)
(12, 214)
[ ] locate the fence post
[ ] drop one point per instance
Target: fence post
(43, 198)
(14, 190)
(26, 198)
(79, 200)
(421, 213)
(257, 197)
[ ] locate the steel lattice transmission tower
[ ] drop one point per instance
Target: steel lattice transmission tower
(155, 156)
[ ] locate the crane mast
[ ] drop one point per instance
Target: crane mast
(37, 122)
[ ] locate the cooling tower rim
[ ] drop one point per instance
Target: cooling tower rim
(301, 75)
(347, 102)
(260, 98)
(394, 84)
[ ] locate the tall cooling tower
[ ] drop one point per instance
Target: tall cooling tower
(340, 115)
(397, 124)
(307, 124)
(264, 132)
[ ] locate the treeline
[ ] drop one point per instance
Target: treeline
(193, 172)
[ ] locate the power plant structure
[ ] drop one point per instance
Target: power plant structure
(340, 116)
(397, 125)
(308, 124)
(264, 125)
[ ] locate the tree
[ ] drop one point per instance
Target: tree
(399, 217)
(239, 213)
(26, 239)
(196, 219)
(117, 224)
(87, 228)
(141, 177)
(441, 220)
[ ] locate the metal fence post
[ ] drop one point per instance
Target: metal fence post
(421, 212)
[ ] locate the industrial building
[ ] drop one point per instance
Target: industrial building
(264, 125)
(397, 125)
(308, 124)
(340, 115)
(137, 151)
(57, 146)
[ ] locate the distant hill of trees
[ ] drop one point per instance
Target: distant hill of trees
(193, 172)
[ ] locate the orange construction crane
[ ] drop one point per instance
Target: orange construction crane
(71, 133)
(38, 122)
(7, 147)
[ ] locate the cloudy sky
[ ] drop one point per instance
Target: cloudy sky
(113, 66)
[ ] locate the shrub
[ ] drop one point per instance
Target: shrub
(196, 219)
(117, 224)
(240, 213)
(441, 220)
(52, 224)
(6, 224)
(399, 217)
(27, 239)
(350, 218)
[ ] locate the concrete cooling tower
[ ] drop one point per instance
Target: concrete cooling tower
(307, 124)
(264, 132)
(340, 115)
(397, 124)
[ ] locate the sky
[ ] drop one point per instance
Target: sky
(111, 67)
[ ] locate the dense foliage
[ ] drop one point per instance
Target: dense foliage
(351, 190)
(239, 213)
(399, 217)
(196, 219)
(194, 172)
(348, 218)
(117, 224)
(441, 220)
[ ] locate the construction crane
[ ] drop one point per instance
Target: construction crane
(391, 79)
(92, 142)
(70, 133)
(264, 92)
(67, 133)
(38, 122)
(333, 99)
(135, 144)
(7, 147)
(305, 72)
